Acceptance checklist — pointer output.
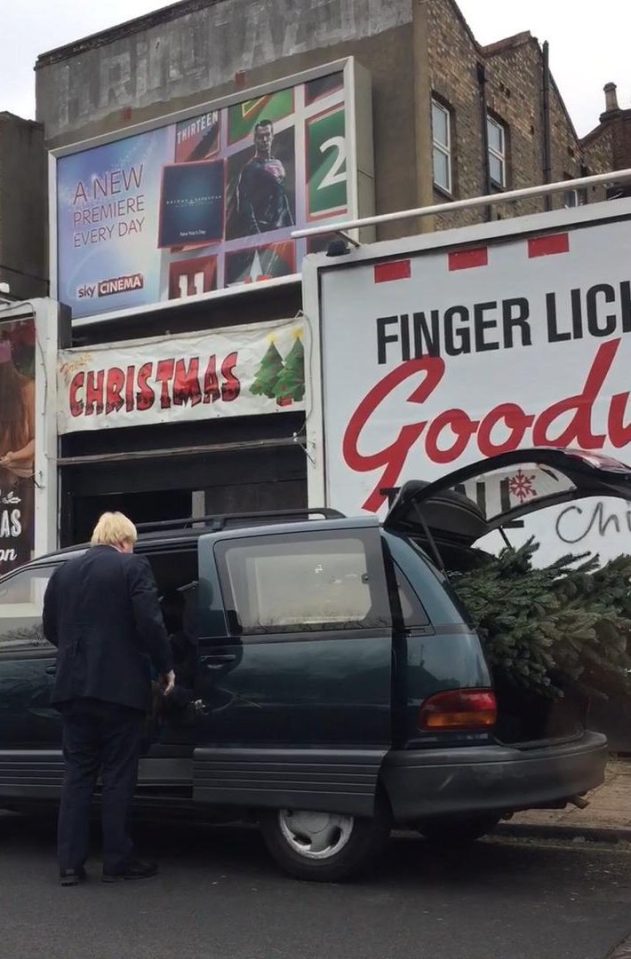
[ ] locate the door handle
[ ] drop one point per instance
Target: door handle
(51, 670)
(217, 660)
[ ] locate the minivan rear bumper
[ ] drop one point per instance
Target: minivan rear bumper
(422, 784)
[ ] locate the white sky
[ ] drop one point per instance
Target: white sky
(587, 48)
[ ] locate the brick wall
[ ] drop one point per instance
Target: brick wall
(453, 56)
(608, 146)
(598, 156)
(514, 90)
(23, 207)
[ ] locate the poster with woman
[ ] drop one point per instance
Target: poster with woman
(17, 442)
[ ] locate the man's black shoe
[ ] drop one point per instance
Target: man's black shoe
(135, 869)
(71, 877)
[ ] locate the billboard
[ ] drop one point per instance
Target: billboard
(17, 442)
(207, 202)
(237, 371)
(467, 345)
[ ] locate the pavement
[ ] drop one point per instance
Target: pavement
(606, 818)
(549, 884)
(218, 894)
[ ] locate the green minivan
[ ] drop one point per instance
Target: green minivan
(331, 684)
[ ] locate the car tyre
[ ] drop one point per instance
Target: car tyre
(451, 833)
(324, 847)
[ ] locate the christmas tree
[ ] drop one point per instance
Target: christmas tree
(271, 366)
(570, 619)
(291, 382)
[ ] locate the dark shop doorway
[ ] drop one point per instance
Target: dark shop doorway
(146, 507)
(162, 473)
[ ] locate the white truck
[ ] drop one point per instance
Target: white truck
(435, 351)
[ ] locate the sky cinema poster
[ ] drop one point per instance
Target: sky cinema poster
(203, 204)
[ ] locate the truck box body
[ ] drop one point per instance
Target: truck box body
(436, 351)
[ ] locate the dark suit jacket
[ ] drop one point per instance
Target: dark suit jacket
(101, 610)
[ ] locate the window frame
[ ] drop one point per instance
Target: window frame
(417, 619)
(578, 195)
(500, 156)
(446, 149)
(380, 603)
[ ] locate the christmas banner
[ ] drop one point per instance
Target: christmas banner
(436, 359)
(236, 371)
(17, 442)
(205, 203)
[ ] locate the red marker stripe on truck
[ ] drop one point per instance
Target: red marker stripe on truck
(393, 270)
(467, 259)
(548, 245)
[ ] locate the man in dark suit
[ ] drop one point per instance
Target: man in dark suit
(101, 610)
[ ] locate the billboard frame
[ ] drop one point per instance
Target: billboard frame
(316, 298)
(359, 168)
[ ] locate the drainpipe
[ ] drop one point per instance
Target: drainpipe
(481, 74)
(547, 148)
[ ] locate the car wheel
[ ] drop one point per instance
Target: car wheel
(457, 832)
(322, 846)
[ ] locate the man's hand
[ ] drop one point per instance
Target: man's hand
(168, 681)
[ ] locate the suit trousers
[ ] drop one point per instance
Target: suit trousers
(105, 738)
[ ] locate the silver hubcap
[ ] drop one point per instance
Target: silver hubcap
(315, 835)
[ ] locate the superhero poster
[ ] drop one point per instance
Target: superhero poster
(223, 189)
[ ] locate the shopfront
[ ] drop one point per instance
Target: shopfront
(185, 423)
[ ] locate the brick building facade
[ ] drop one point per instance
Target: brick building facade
(610, 141)
(23, 207)
(508, 125)
(442, 118)
(495, 112)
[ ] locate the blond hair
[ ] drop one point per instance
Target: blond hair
(113, 529)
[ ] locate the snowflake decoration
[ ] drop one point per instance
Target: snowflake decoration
(521, 486)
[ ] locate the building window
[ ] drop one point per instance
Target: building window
(575, 198)
(441, 137)
(496, 134)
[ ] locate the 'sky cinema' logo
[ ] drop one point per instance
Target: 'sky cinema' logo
(116, 284)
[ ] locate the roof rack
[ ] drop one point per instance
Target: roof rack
(216, 522)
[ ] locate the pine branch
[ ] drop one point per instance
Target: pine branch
(571, 618)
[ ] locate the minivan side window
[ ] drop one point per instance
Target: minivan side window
(21, 604)
(303, 583)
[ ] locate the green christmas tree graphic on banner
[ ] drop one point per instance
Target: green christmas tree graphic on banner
(291, 381)
(281, 380)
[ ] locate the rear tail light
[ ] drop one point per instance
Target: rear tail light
(459, 709)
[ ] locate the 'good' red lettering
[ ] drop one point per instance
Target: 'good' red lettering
(457, 426)
(579, 429)
(392, 457)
